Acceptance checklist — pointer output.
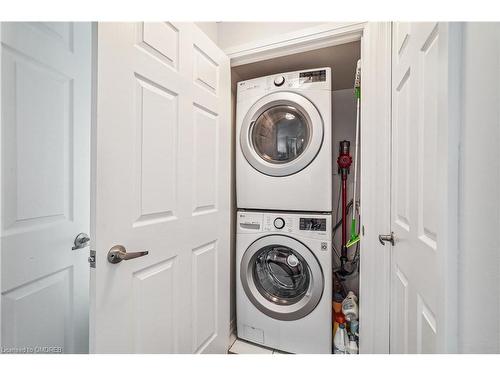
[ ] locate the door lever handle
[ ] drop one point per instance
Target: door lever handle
(82, 240)
(118, 253)
(383, 238)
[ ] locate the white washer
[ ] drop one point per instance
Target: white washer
(284, 142)
(284, 280)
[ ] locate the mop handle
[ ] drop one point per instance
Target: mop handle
(356, 162)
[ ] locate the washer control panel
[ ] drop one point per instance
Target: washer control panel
(302, 224)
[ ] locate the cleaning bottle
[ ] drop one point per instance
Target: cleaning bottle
(354, 327)
(337, 312)
(339, 319)
(350, 307)
(340, 340)
(352, 347)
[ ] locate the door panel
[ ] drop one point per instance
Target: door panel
(416, 284)
(46, 74)
(162, 185)
(156, 151)
(205, 149)
(204, 296)
(206, 71)
(163, 336)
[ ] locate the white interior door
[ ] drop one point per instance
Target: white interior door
(421, 189)
(161, 185)
(46, 96)
(375, 189)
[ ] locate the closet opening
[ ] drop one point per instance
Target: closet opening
(342, 277)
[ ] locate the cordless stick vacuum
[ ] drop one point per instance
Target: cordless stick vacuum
(344, 162)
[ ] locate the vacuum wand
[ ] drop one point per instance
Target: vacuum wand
(344, 162)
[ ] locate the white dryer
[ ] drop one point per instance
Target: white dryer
(284, 142)
(284, 280)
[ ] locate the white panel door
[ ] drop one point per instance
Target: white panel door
(420, 166)
(162, 185)
(375, 187)
(46, 100)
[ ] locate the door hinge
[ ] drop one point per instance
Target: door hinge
(92, 259)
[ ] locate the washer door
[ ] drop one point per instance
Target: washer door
(281, 277)
(281, 134)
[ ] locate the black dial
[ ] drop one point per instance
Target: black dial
(279, 223)
(279, 81)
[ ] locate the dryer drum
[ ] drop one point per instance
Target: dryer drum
(281, 134)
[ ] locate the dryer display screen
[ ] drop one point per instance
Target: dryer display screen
(313, 224)
(314, 76)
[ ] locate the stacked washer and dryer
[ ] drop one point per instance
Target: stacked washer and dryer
(284, 218)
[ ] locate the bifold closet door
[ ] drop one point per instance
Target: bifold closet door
(46, 105)
(423, 189)
(162, 180)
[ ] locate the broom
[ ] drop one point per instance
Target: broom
(357, 91)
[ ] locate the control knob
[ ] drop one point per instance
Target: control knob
(279, 81)
(279, 223)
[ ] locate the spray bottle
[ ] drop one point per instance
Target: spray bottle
(340, 341)
(350, 307)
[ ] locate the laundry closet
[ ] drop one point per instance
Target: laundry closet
(219, 229)
(286, 295)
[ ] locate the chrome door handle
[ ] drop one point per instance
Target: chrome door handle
(118, 253)
(383, 238)
(81, 240)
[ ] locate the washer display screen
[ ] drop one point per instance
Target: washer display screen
(313, 224)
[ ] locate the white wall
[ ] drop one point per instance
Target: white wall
(344, 128)
(211, 29)
(479, 192)
(233, 34)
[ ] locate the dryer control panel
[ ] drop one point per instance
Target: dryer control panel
(311, 79)
(306, 224)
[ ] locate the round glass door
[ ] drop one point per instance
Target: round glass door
(281, 134)
(281, 277)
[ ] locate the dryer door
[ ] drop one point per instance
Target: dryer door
(282, 277)
(281, 134)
